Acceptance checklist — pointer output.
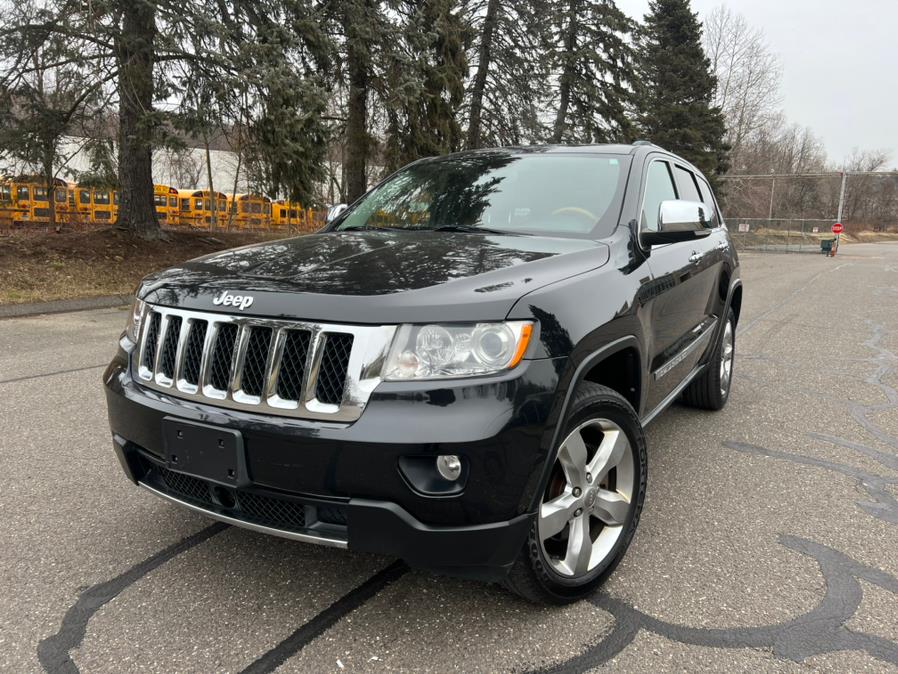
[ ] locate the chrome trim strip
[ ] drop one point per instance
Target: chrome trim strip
(262, 529)
(370, 346)
(685, 352)
(186, 327)
(664, 404)
(238, 360)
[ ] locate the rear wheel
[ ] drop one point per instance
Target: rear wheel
(711, 389)
(590, 507)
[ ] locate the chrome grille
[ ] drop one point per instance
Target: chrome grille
(288, 368)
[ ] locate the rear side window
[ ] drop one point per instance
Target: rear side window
(658, 187)
(708, 199)
(686, 184)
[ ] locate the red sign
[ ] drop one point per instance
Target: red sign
(837, 228)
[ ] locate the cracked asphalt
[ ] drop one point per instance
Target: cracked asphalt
(769, 539)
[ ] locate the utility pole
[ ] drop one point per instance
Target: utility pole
(841, 204)
(842, 197)
(770, 210)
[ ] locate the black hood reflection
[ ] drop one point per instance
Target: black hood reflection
(381, 275)
(375, 263)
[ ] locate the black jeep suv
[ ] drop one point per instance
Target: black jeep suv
(456, 370)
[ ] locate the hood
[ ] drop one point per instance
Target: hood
(379, 276)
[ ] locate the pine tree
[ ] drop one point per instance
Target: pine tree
(508, 86)
(168, 50)
(677, 88)
(425, 86)
(593, 60)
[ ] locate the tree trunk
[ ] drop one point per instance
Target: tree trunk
(357, 111)
(564, 83)
(232, 211)
(213, 197)
(483, 66)
(51, 191)
(137, 210)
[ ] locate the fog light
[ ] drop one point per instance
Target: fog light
(449, 466)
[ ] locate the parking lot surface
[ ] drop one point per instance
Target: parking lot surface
(769, 539)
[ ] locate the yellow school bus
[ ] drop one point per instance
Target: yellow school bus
(289, 215)
(195, 208)
(7, 206)
(83, 197)
(166, 200)
(27, 201)
(104, 205)
(249, 211)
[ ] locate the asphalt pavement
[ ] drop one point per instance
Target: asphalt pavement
(768, 542)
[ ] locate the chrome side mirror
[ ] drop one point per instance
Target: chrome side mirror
(335, 211)
(680, 221)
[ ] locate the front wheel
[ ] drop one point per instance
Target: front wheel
(590, 507)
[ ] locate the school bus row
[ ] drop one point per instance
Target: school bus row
(25, 201)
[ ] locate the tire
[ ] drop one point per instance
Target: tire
(548, 569)
(711, 389)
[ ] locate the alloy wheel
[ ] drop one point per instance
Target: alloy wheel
(726, 359)
(588, 500)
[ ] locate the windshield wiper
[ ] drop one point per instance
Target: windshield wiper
(373, 228)
(476, 229)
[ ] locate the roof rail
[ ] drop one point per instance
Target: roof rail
(642, 142)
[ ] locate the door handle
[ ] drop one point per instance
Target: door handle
(695, 257)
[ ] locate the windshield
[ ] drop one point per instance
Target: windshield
(554, 194)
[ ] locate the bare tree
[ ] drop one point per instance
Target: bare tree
(748, 76)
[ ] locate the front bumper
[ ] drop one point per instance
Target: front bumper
(341, 485)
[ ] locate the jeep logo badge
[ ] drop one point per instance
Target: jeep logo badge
(228, 300)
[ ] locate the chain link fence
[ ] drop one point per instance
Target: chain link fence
(794, 213)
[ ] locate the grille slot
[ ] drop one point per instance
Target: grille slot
(271, 511)
(293, 364)
(185, 486)
(193, 352)
(334, 363)
(264, 509)
(151, 341)
(269, 366)
(222, 355)
(257, 346)
(170, 347)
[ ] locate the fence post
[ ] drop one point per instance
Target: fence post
(841, 204)
(842, 197)
(770, 209)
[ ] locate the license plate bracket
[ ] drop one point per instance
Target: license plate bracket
(209, 452)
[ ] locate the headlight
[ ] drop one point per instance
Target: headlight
(447, 351)
(132, 330)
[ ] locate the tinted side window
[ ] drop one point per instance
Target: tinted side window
(658, 187)
(686, 184)
(708, 199)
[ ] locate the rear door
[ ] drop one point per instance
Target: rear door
(683, 278)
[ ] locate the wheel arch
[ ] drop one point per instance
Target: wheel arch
(616, 352)
(736, 300)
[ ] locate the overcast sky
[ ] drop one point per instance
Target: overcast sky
(840, 65)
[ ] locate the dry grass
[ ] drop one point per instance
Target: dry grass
(874, 237)
(91, 264)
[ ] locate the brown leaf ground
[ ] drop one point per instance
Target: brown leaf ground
(103, 262)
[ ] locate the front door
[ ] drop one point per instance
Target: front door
(684, 278)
